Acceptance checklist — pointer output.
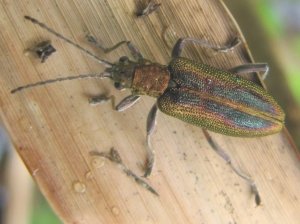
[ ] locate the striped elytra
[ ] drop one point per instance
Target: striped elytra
(219, 101)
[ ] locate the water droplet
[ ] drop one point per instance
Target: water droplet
(97, 162)
(89, 175)
(79, 187)
(115, 210)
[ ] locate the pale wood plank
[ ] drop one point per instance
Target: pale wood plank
(54, 129)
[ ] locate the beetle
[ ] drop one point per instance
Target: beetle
(214, 99)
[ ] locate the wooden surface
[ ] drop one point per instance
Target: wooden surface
(54, 129)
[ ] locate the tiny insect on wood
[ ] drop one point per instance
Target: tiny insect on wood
(149, 8)
(199, 94)
(43, 50)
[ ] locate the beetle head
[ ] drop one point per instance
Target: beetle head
(122, 73)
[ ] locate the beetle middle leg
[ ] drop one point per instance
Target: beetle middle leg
(178, 47)
(249, 68)
(126, 103)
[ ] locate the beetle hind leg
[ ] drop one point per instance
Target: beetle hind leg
(228, 160)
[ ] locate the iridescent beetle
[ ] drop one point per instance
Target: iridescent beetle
(211, 98)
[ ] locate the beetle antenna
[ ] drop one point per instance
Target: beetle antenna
(44, 26)
(50, 81)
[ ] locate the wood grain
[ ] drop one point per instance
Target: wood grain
(54, 129)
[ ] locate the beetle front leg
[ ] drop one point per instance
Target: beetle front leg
(151, 122)
(127, 102)
(249, 68)
(136, 54)
(178, 47)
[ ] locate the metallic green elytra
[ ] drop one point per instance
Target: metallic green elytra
(219, 101)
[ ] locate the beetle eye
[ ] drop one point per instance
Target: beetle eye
(118, 86)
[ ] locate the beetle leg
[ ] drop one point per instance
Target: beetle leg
(249, 68)
(227, 158)
(127, 102)
(137, 55)
(106, 50)
(123, 105)
(178, 47)
(151, 119)
(151, 122)
(133, 50)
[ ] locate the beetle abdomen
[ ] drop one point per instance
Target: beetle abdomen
(219, 101)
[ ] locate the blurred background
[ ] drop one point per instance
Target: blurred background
(272, 30)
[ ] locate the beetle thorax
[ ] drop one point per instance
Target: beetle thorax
(152, 80)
